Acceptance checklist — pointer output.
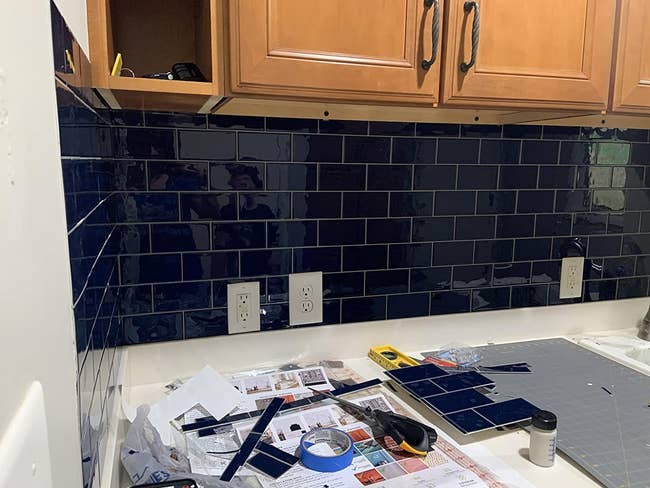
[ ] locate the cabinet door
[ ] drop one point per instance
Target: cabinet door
(358, 50)
(530, 53)
(632, 82)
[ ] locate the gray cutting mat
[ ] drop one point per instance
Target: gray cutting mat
(608, 435)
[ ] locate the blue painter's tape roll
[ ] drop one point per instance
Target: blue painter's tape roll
(336, 456)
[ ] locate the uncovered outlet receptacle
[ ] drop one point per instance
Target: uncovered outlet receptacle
(571, 277)
(243, 307)
(305, 298)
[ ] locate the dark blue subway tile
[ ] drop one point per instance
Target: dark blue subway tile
(292, 233)
(500, 151)
(588, 224)
(557, 177)
(518, 177)
(239, 235)
(625, 223)
(317, 205)
(595, 291)
(405, 306)
(532, 249)
(496, 202)
(560, 132)
(577, 153)
(266, 206)
(474, 228)
(569, 247)
(410, 150)
(338, 285)
(214, 265)
(390, 177)
(604, 246)
(572, 201)
(430, 279)
(267, 262)
(640, 154)
(332, 312)
(437, 130)
(387, 282)
(392, 128)
(636, 200)
(181, 296)
(453, 252)
(458, 151)
(595, 176)
(410, 204)
(454, 203)
(150, 268)
(635, 135)
(515, 225)
(593, 269)
(291, 125)
(87, 142)
(237, 176)
(342, 177)
(278, 288)
(145, 329)
(433, 229)
(171, 119)
(360, 149)
(357, 258)
(522, 131)
(388, 230)
(275, 317)
(135, 299)
(529, 296)
(448, 302)
(643, 221)
(373, 204)
(338, 232)
(535, 201)
(473, 276)
(490, 299)
(630, 177)
(133, 118)
(632, 288)
(475, 130)
(326, 259)
(553, 225)
(546, 272)
(208, 206)
(177, 176)
(291, 176)
(363, 309)
(235, 122)
(477, 178)
(317, 148)
(409, 255)
(619, 267)
(343, 126)
(194, 144)
(642, 266)
(539, 152)
(206, 323)
(511, 274)
(180, 237)
(263, 146)
(554, 296)
(434, 177)
(636, 244)
(493, 251)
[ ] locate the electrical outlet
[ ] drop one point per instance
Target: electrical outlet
(571, 277)
(243, 307)
(305, 298)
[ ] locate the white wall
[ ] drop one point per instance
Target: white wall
(74, 13)
(36, 319)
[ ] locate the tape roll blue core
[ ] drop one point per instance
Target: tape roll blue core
(339, 442)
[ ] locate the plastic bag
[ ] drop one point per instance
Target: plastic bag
(460, 354)
(148, 460)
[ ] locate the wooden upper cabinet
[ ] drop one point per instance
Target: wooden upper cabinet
(632, 81)
(357, 50)
(532, 53)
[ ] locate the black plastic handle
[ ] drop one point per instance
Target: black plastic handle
(435, 33)
(476, 30)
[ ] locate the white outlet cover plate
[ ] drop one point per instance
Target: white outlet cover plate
(301, 285)
(571, 277)
(235, 326)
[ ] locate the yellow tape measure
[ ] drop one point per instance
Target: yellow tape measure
(390, 358)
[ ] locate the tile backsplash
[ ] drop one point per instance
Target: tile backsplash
(404, 219)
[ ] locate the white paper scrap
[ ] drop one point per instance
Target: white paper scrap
(207, 388)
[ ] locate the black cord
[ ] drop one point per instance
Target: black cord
(224, 452)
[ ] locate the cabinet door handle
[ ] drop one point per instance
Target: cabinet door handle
(476, 30)
(435, 33)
